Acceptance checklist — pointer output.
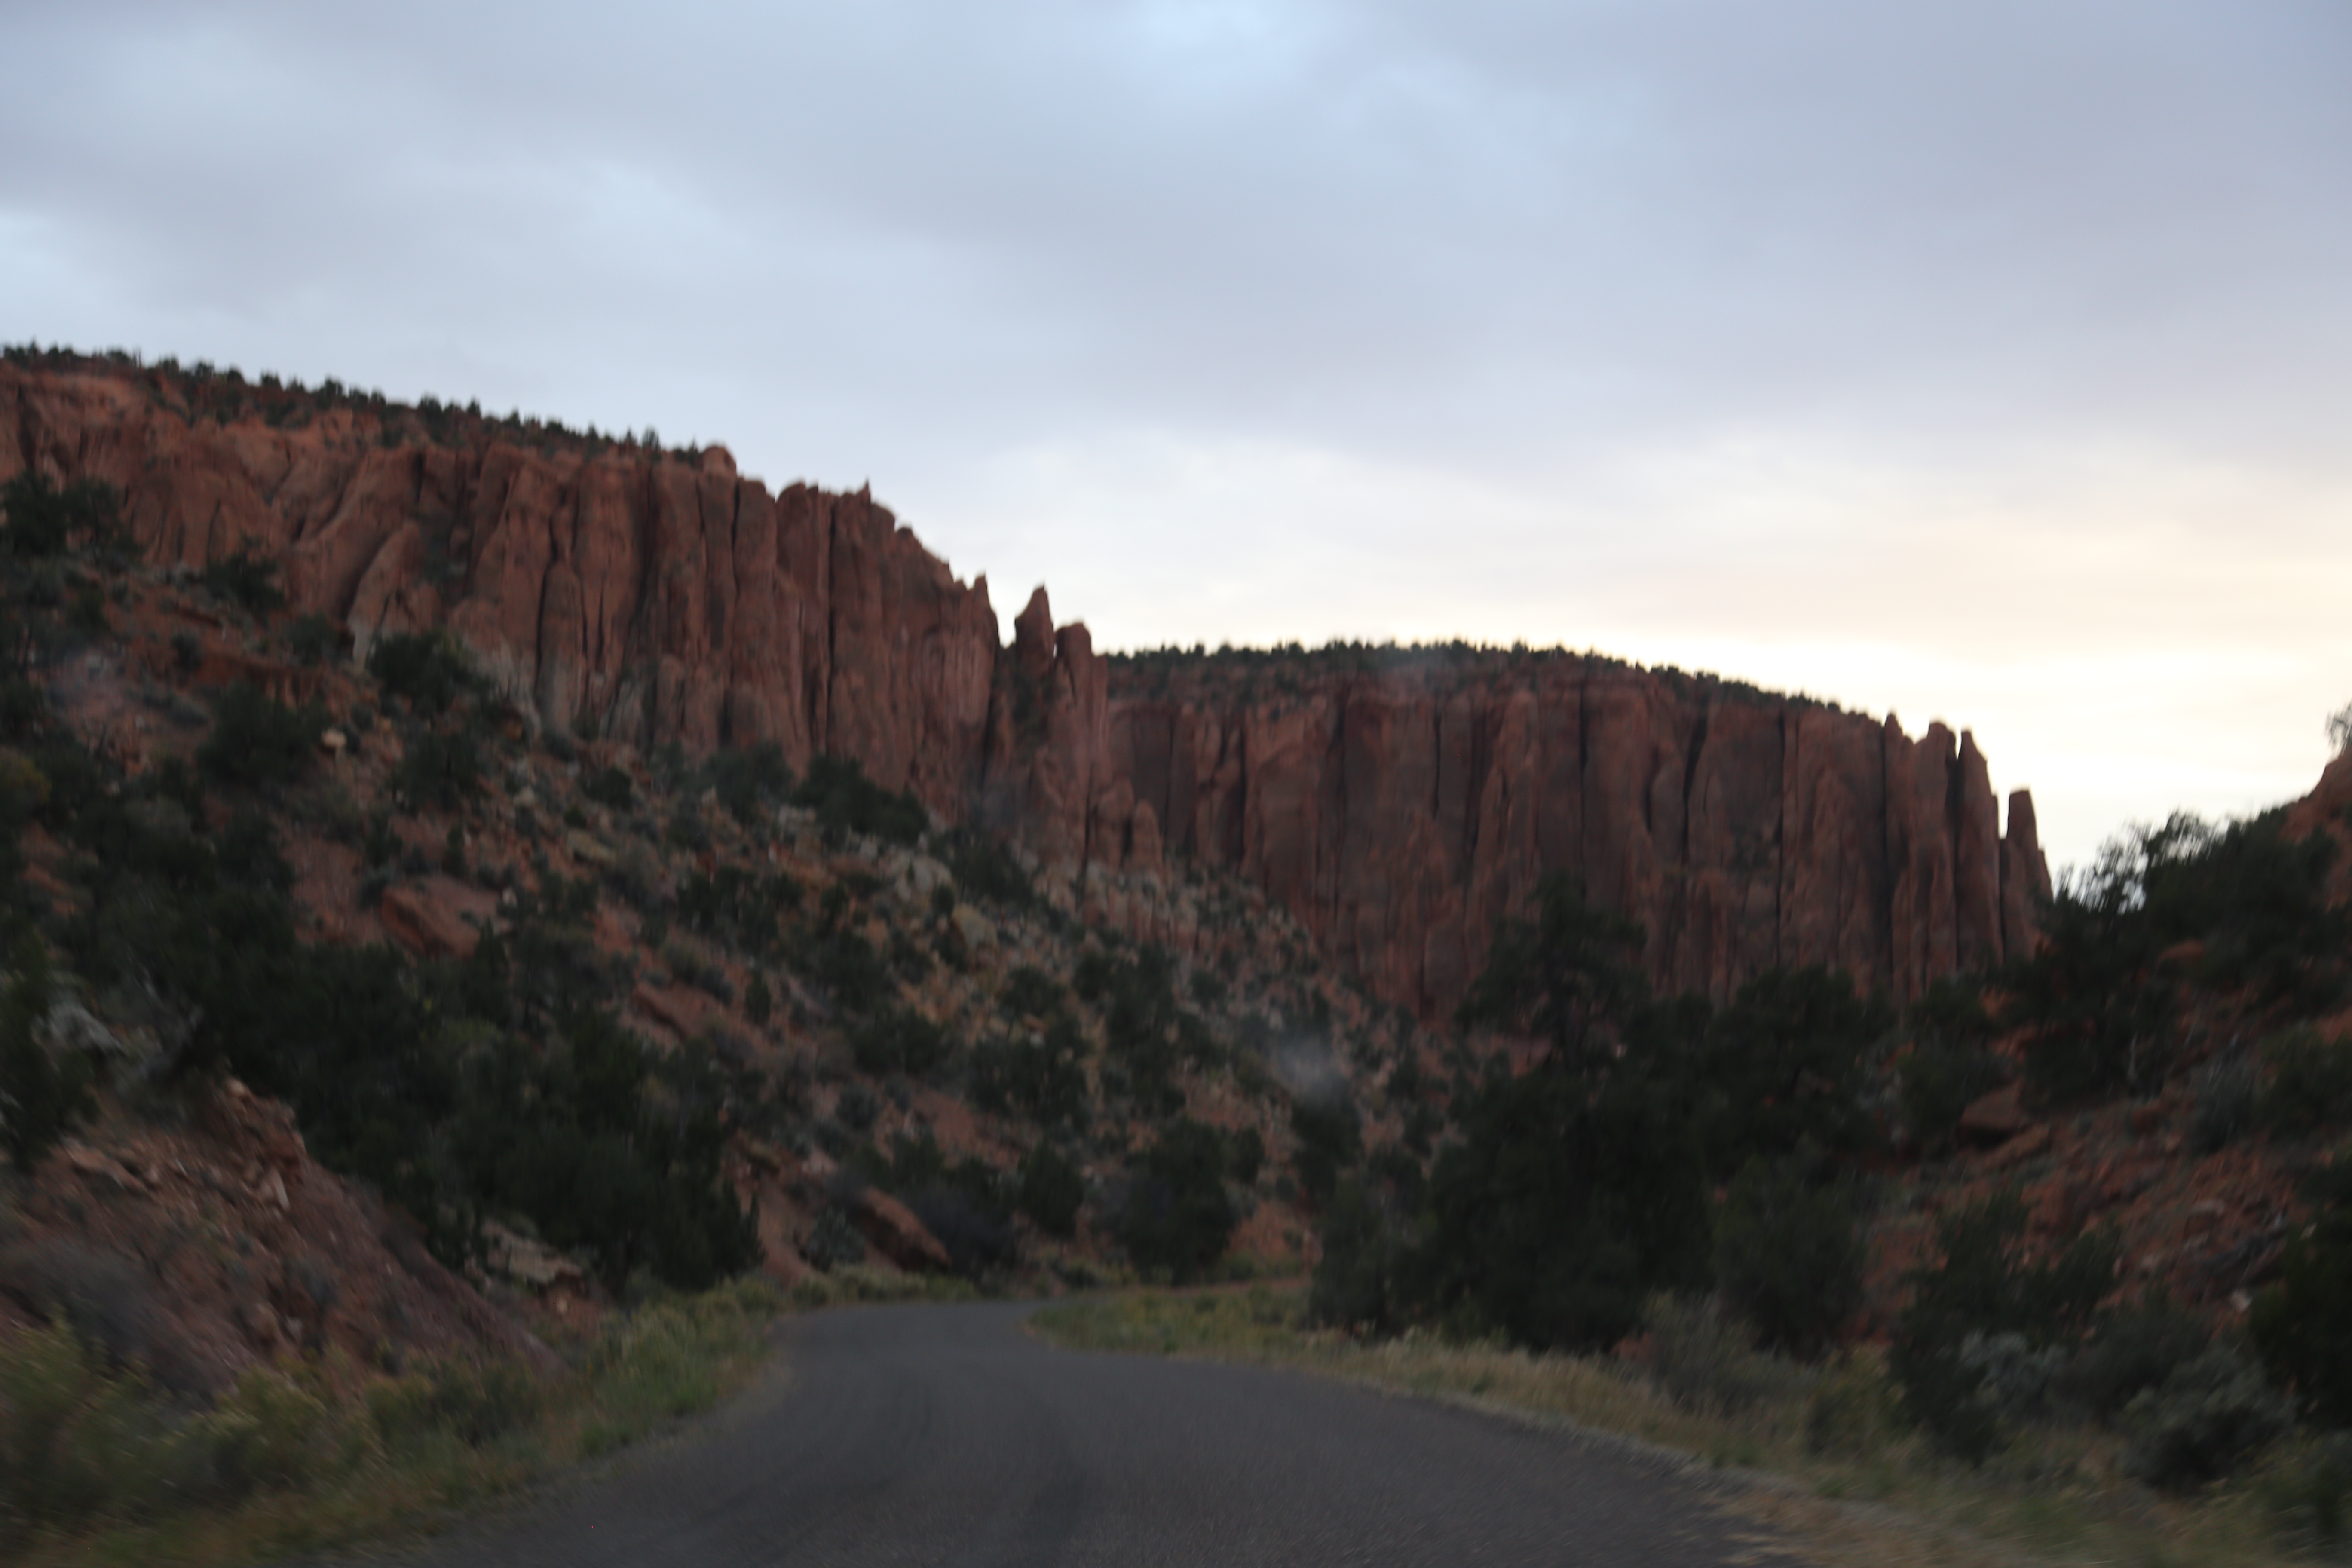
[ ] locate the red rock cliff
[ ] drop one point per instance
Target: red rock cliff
(1397, 806)
(1400, 805)
(663, 599)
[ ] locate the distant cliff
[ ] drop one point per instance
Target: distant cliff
(1401, 804)
(1397, 804)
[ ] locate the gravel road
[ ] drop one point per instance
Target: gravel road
(948, 1436)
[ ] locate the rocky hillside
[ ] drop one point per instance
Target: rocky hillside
(1395, 803)
(341, 965)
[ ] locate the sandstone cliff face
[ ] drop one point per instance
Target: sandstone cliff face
(1397, 808)
(664, 601)
(1400, 810)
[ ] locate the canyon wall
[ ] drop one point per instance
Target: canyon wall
(1397, 805)
(1400, 805)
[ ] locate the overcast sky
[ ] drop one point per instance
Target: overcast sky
(1988, 361)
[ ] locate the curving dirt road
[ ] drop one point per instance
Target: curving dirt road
(948, 1436)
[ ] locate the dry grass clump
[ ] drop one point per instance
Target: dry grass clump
(1819, 1454)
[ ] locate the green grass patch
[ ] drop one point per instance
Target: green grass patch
(1820, 1444)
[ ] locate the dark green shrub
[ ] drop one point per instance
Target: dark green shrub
(87, 612)
(1938, 1083)
(1248, 1155)
(970, 1221)
(255, 741)
(900, 1041)
(441, 769)
(1788, 1255)
(313, 639)
(2259, 900)
(1356, 1282)
(1949, 1066)
(2135, 1347)
(2208, 1416)
(381, 846)
(2310, 1088)
(735, 904)
(2299, 1323)
(1782, 1069)
(426, 667)
(750, 782)
(856, 1107)
(1044, 1078)
(1177, 1216)
(616, 1179)
(985, 869)
(846, 800)
(44, 520)
(1051, 1190)
(2228, 1092)
(23, 708)
(2100, 1015)
(832, 1242)
(2096, 995)
(1147, 1035)
(1983, 1285)
(1331, 1140)
(908, 960)
(686, 829)
(610, 787)
(247, 855)
(1566, 974)
(1705, 1358)
(1031, 992)
(848, 969)
(1097, 969)
(759, 1001)
(1562, 1206)
(247, 580)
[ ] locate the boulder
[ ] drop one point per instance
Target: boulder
(435, 917)
(976, 929)
(1995, 1119)
(528, 1262)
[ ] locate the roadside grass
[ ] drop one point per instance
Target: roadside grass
(99, 1466)
(1823, 1456)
